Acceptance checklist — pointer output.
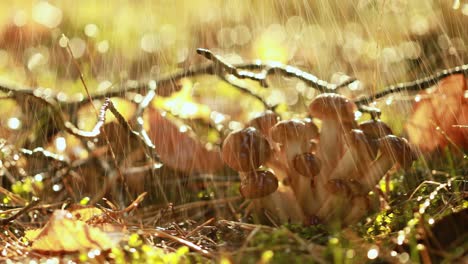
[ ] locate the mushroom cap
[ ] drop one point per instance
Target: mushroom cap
(258, 184)
(245, 149)
(358, 140)
(332, 106)
(398, 149)
(312, 129)
(264, 122)
(293, 130)
(307, 164)
(375, 129)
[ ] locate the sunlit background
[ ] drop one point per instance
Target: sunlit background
(378, 42)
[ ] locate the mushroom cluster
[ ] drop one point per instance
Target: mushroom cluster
(299, 174)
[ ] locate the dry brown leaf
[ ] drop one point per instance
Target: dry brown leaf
(181, 150)
(64, 234)
(444, 107)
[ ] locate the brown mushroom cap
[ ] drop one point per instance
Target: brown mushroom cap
(293, 130)
(332, 106)
(245, 150)
(312, 129)
(258, 184)
(375, 129)
(307, 164)
(358, 140)
(398, 149)
(264, 122)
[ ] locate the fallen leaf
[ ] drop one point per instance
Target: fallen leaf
(65, 234)
(437, 117)
(181, 150)
(86, 213)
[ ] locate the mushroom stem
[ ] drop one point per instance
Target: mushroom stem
(332, 199)
(301, 184)
(329, 145)
(376, 171)
(346, 166)
(356, 158)
(394, 150)
(283, 204)
(360, 206)
(289, 151)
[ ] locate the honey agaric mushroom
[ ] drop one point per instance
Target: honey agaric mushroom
(245, 149)
(264, 122)
(375, 129)
(337, 115)
(257, 184)
(271, 195)
(394, 150)
(294, 136)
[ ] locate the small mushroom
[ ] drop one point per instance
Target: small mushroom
(394, 150)
(294, 136)
(337, 115)
(257, 184)
(245, 149)
(375, 129)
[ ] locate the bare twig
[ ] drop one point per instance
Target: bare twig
(23, 210)
(267, 69)
(41, 152)
(413, 86)
(195, 230)
(191, 245)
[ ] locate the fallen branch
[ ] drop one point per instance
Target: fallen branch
(23, 210)
(414, 86)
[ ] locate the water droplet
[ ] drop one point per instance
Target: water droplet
(38, 177)
(373, 253)
(91, 30)
(60, 144)
(56, 187)
(14, 123)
